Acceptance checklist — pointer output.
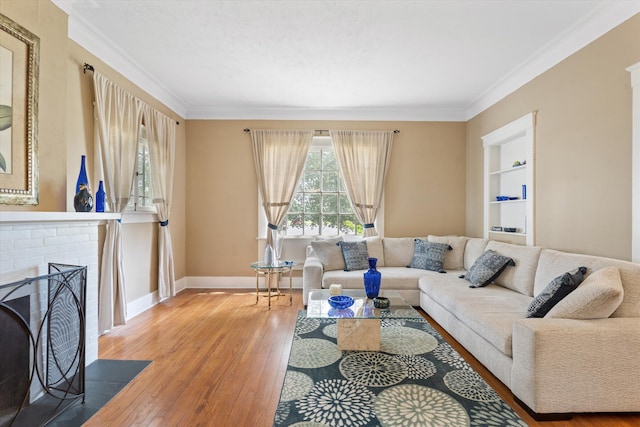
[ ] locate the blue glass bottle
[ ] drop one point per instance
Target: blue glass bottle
(100, 196)
(82, 176)
(372, 279)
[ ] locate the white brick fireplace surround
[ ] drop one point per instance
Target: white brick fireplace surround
(29, 241)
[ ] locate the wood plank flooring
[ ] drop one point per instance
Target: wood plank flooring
(219, 360)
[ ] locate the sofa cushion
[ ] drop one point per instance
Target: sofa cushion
(454, 258)
(395, 278)
(429, 255)
(329, 253)
(355, 255)
(489, 311)
(555, 291)
(553, 263)
(521, 277)
(596, 298)
(472, 250)
(398, 251)
(374, 246)
(487, 268)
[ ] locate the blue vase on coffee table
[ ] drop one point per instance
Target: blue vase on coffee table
(372, 279)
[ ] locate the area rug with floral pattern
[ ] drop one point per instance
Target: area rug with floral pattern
(416, 379)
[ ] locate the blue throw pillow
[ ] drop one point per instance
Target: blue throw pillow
(429, 255)
(553, 293)
(355, 254)
(487, 268)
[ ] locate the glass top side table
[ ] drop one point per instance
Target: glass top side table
(269, 271)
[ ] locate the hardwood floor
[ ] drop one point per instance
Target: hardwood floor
(219, 360)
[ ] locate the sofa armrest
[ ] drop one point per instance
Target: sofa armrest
(566, 365)
(311, 277)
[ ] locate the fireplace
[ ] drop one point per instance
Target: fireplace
(42, 369)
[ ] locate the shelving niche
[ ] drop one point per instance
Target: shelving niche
(503, 147)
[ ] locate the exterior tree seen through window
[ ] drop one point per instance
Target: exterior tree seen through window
(320, 205)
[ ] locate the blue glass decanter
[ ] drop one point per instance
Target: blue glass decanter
(372, 279)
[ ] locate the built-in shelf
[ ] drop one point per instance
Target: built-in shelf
(500, 202)
(502, 148)
(506, 233)
(511, 169)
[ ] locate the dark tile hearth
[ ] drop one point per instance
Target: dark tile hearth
(104, 379)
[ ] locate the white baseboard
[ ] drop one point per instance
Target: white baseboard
(235, 282)
(181, 285)
(142, 304)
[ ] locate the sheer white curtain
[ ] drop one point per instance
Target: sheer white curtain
(363, 158)
(118, 119)
(279, 157)
(161, 136)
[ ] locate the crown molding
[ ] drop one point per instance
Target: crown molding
(609, 15)
(409, 114)
(99, 45)
(603, 19)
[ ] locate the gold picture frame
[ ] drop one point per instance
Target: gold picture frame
(19, 69)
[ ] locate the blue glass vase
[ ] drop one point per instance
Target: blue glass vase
(372, 279)
(100, 196)
(82, 176)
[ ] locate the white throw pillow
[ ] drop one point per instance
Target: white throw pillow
(374, 246)
(597, 297)
(454, 259)
(329, 253)
(398, 251)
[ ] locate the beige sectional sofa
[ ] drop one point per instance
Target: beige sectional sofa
(583, 356)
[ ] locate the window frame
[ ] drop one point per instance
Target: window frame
(318, 142)
(134, 208)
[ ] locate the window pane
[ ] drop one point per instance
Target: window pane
(313, 161)
(294, 225)
(312, 203)
(345, 205)
(330, 225)
(297, 203)
(330, 181)
(350, 225)
(312, 224)
(312, 181)
(330, 203)
(329, 161)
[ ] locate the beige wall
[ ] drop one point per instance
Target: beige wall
(65, 122)
(583, 147)
(424, 192)
(49, 23)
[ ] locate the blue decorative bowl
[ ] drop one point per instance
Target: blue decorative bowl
(345, 312)
(340, 301)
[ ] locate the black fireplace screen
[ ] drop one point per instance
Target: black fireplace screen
(42, 345)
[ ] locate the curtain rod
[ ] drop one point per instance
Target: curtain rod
(89, 67)
(320, 131)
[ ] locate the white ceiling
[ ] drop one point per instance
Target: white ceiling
(338, 59)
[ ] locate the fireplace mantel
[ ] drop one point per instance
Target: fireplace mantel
(34, 216)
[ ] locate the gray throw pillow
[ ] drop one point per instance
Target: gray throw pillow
(553, 293)
(486, 268)
(355, 254)
(429, 255)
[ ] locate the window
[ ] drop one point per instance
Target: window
(320, 206)
(141, 198)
